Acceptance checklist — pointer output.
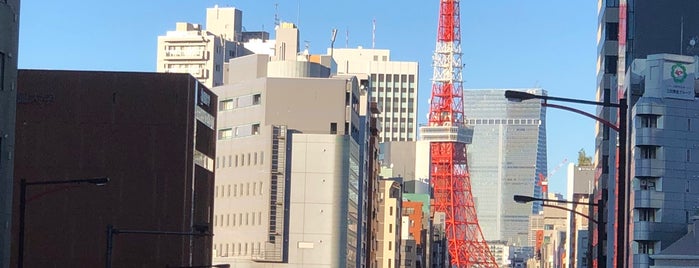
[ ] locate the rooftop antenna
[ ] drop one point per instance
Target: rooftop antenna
(347, 38)
(298, 14)
(373, 33)
(276, 14)
(682, 35)
(332, 41)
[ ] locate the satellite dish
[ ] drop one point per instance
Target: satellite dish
(693, 41)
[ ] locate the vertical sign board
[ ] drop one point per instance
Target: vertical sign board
(678, 80)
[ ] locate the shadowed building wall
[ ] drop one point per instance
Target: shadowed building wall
(152, 134)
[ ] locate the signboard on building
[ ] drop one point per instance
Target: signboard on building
(678, 80)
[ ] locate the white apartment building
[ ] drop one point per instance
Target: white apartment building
(288, 158)
(202, 53)
(394, 86)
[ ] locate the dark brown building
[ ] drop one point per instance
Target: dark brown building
(152, 134)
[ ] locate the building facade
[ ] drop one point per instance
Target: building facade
(9, 30)
(295, 162)
(390, 219)
(629, 30)
(152, 134)
(580, 184)
(202, 52)
(664, 193)
(507, 154)
(394, 87)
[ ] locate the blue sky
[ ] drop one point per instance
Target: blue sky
(506, 43)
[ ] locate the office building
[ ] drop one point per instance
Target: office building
(507, 154)
(579, 189)
(394, 86)
(202, 52)
(295, 162)
(629, 30)
(664, 193)
(9, 30)
(152, 134)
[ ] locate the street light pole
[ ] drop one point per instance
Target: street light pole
(526, 199)
(23, 200)
(598, 222)
(111, 231)
(621, 182)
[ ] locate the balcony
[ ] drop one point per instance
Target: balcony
(649, 136)
(646, 230)
(648, 199)
(197, 72)
(186, 54)
(649, 168)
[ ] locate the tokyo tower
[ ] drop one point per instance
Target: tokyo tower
(448, 136)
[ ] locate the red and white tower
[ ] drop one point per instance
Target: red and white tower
(448, 136)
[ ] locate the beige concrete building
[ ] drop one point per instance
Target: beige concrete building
(202, 53)
(288, 189)
(390, 218)
(9, 32)
(394, 87)
(580, 184)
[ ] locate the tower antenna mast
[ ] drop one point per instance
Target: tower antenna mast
(448, 136)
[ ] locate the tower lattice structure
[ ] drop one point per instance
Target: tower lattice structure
(448, 137)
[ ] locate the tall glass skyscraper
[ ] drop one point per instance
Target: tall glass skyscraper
(506, 156)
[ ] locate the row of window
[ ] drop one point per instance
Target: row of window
(240, 160)
(240, 219)
(237, 249)
(395, 77)
(402, 90)
(239, 131)
(239, 189)
(504, 122)
(240, 102)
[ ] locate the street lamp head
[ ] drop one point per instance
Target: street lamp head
(518, 96)
(98, 181)
(523, 199)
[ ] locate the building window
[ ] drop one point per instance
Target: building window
(646, 214)
(225, 105)
(218, 67)
(612, 30)
(648, 152)
(390, 228)
(390, 246)
(649, 121)
(256, 99)
(610, 64)
(333, 128)
(646, 247)
(255, 129)
(2, 71)
(390, 211)
(224, 134)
